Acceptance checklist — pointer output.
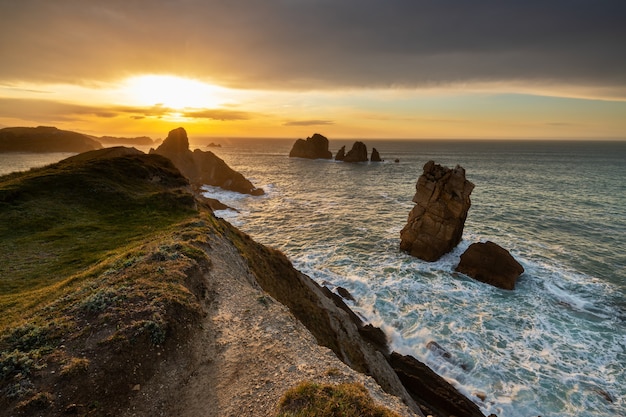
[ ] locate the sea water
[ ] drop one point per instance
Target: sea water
(555, 346)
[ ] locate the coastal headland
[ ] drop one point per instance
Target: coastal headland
(122, 294)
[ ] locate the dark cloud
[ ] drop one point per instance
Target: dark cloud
(309, 123)
(307, 44)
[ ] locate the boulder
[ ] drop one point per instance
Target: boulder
(315, 147)
(202, 167)
(435, 224)
(358, 153)
(341, 154)
(490, 263)
(375, 156)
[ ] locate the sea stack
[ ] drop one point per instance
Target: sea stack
(435, 224)
(358, 153)
(314, 147)
(375, 156)
(341, 154)
(490, 263)
(202, 167)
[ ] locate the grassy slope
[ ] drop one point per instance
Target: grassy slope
(99, 265)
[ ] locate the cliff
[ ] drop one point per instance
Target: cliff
(45, 139)
(124, 295)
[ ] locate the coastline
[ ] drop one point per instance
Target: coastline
(227, 288)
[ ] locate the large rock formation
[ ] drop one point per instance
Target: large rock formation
(45, 139)
(315, 147)
(375, 156)
(202, 168)
(358, 153)
(435, 224)
(490, 263)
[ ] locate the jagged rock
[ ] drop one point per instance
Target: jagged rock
(315, 147)
(490, 263)
(375, 156)
(341, 154)
(358, 153)
(433, 394)
(345, 293)
(202, 167)
(435, 224)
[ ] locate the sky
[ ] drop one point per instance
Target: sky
(497, 69)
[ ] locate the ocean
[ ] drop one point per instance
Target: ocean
(555, 346)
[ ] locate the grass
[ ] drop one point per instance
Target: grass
(324, 400)
(100, 261)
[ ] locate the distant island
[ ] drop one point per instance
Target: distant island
(43, 139)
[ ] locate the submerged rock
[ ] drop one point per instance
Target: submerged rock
(315, 147)
(358, 153)
(435, 224)
(202, 167)
(375, 156)
(490, 263)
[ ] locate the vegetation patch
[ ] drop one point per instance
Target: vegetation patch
(323, 400)
(101, 277)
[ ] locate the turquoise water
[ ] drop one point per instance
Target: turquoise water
(556, 346)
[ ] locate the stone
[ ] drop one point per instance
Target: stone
(435, 225)
(434, 395)
(358, 153)
(345, 293)
(315, 147)
(375, 156)
(202, 167)
(490, 263)
(341, 154)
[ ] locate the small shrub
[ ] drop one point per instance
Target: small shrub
(315, 400)
(99, 301)
(75, 366)
(12, 363)
(156, 331)
(28, 337)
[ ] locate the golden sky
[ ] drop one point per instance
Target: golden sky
(289, 68)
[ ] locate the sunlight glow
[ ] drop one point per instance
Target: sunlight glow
(172, 92)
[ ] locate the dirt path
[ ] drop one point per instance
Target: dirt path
(248, 352)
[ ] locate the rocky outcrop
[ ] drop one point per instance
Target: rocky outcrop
(202, 167)
(341, 154)
(375, 156)
(435, 396)
(435, 224)
(490, 263)
(45, 139)
(315, 147)
(358, 153)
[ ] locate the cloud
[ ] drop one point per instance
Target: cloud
(217, 114)
(309, 123)
(47, 111)
(319, 44)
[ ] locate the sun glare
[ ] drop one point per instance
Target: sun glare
(173, 92)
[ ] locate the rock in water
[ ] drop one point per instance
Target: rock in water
(490, 263)
(435, 224)
(341, 154)
(358, 153)
(375, 156)
(315, 147)
(202, 168)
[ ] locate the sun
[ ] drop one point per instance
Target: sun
(171, 91)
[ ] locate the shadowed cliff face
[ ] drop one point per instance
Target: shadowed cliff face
(202, 168)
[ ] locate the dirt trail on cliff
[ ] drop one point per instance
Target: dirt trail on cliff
(249, 350)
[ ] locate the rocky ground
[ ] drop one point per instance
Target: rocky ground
(248, 352)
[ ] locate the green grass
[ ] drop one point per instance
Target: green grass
(323, 400)
(57, 223)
